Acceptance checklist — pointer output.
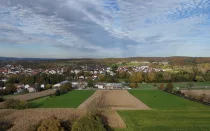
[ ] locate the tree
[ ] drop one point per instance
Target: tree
(161, 87)
(169, 87)
(150, 76)
(90, 83)
(51, 124)
(89, 122)
(10, 89)
(166, 76)
(133, 85)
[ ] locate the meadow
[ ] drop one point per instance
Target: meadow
(169, 112)
(70, 100)
(157, 99)
(165, 120)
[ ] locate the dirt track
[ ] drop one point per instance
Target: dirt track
(113, 99)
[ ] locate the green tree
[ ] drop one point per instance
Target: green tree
(89, 122)
(10, 88)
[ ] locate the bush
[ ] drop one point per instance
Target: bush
(89, 122)
(161, 87)
(51, 124)
(15, 104)
(169, 87)
(57, 92)
(4, 125)
(133, 85)
(1, 99)
(178, 92)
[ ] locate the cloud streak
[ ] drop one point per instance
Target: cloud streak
(105, 28)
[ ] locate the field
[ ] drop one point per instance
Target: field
(113, 99)
(70, 100)
(157, 99)
(163, 120)
(169, 112)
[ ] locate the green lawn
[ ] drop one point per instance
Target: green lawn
(162, 120)
(70, 100)
(157, 99)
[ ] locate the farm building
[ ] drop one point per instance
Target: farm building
(60, 84)
(109, 85)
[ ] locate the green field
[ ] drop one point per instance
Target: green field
(162, 120)
(169, 113)
(157, 99)
(70, 100)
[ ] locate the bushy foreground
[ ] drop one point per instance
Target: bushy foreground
(89, 122)
(16, 104)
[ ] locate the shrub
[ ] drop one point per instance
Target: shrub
(161, 87)
(178, 92)
(1, 99)
(15, 104)
(57, 92)
(5, 125)
(169, 87)
(50, 124)
(182, 94)
(133, 85)
(89, 122)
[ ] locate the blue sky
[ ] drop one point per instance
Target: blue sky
(104, 28)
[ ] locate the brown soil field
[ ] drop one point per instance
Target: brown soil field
(197, 93)
(113, 99)
(23, 120)
(31, 96)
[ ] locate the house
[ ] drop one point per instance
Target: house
(74, 84)
(27, 86)
(100, 85)
(31, 89)
(42, 86)
(60, 84)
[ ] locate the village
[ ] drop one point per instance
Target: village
(81, 76)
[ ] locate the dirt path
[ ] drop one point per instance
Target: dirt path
(113, 99)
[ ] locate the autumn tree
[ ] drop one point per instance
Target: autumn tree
(169, 87)
(161, 87)
(150, 76)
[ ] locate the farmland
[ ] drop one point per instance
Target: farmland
(163, 120)
(70, 100)
(169, 112)
(157, 99)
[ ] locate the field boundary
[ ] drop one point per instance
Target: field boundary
(189, 98)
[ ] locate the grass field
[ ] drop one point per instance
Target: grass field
(70, 100)
(170, 113)
(162, 120)
(157, 99)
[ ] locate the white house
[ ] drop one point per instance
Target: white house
(42, 86)
(27, 86)
(31, 89)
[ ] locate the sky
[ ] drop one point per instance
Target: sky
(104, 28)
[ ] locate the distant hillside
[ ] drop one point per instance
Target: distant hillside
(26, 59)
